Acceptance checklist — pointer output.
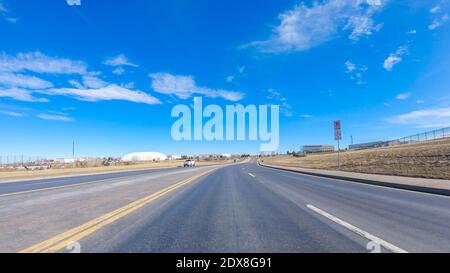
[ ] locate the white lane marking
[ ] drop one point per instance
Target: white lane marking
(388, 188)
(252, 175)
(114, 180)
(358, 231)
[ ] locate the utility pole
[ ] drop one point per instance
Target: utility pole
(338, 138)
(73, 152)
(339, 154)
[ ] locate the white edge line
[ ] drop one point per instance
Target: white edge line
(252, 175)
(358, 230)
(360, 183)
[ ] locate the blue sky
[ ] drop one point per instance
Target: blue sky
(107, 73)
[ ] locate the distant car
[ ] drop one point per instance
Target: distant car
(189, 163)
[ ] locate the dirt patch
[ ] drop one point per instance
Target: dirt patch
(34, 174)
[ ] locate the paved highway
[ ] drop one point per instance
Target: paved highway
(45, 183)
(233, 208)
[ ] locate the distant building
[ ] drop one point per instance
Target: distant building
(226, 155)
(174, 157)
(368, 145)
(144, 156)
(68, 160)
(318, 148)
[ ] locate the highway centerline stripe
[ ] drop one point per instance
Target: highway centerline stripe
(69, 185)
(357, 230)
(252, 175)
(62, 240)
(54, 188)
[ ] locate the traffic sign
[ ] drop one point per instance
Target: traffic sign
(337, 130)
(337, 124)
(337, 134)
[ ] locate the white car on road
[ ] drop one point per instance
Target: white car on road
(189, 163)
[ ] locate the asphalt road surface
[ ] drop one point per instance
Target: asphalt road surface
(232, 208)
(45, 183)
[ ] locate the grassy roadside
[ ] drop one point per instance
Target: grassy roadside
(53, 173)
(427, 160)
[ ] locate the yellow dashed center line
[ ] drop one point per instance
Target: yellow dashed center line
(62, 240)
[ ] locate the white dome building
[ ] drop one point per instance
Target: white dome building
(144, 156)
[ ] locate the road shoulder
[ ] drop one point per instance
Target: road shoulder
(433, 186)
(91, 171)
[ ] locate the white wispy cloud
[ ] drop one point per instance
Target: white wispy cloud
(57, 113)
(361, 26)
(403, 96)
(106, 93)
(129, 85)
(185, 86)
(18, 80)
(92, 89)
(54, 117)
(73, 2)
(229, 78)
(11, 113)
(20, 95)
(439, 15)
(350, 66)
(306, 116)
(232, 77)
(437, 22)
(119, 60)
(40, 63)
(119, 71)
(93, 82)
(395, 58)
(356, 71)
(6, 14)
(272, 94)
(391, 61)
(70, 108)
(305, 27)
(24, 87)
(277, 98)
(76, 84)
(425, 118)
(286, 109)
(374, 2)
(435, 9)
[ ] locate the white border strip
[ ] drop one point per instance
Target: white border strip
(358, 231)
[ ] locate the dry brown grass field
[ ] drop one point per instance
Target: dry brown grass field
(35, 174)
(426, 159)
